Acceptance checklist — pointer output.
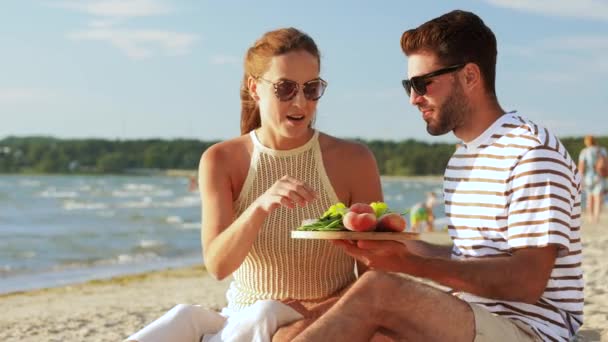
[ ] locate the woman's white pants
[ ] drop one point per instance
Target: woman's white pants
(193, 323)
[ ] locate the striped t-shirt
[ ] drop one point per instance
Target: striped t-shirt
(515, 186)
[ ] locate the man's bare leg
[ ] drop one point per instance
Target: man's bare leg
(290, 331)
(402, 308)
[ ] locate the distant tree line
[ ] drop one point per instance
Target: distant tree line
(52, 155)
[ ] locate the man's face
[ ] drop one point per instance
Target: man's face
(444, 106)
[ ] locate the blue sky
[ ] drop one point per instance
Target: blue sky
(171, 69)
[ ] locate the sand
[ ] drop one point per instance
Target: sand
(110, 310)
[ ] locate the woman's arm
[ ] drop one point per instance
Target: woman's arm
(364, 182)
(227, 241)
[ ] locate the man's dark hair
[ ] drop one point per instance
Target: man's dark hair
(456, 37)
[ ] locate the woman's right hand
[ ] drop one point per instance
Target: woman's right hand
(287, 192)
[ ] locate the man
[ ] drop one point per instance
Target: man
(512, 194)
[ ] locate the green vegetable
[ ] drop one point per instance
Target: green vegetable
(380, 208)
(327, 224)
(336, 210)
(331, 220)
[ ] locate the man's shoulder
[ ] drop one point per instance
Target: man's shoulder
(533, 137)
(525, 130)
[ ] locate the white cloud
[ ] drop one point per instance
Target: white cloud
(580, 53)
(107, 17)
(224, 60)
(587, 52)
(139, 44)
(572, 44)
(585, 9)
(517, 50)
(577, 43)
(554, 76)
(117, 8)
(396, 92)
(103, 23)
(24, 95)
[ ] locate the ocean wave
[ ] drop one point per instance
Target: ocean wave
(145, 202)
(120, 259)
(173, 219)
(75, 205)
(54, 193)
(106, 213)
(182, 202)
(191, 226)
(140, 190)
(139, 186)
(5, 269)
(26, 254)
(30, 183)
(398, 197)
(148, 202)
(150, 244)
(135, 258)
(155, 193)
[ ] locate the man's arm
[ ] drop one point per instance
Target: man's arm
(429, 250)
(520, 277)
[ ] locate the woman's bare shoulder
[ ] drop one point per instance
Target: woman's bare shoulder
(228, 152)
(343, 147)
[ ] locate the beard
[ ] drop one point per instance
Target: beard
(451, 113)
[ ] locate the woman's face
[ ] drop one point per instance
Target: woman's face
(289, 118)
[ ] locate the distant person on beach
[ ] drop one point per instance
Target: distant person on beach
(590, 161)
(512, 195)
(422, 213)
(192, 183)
(257, 188)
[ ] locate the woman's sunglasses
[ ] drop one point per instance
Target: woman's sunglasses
(419, 83)
(286, 90)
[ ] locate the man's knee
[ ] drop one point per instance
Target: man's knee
(377, 288)
(380, 281)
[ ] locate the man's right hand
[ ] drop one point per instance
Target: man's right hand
(389, 256)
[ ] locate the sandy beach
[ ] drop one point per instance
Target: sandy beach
(112, 309)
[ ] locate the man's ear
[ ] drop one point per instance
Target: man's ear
(472, 76)
(252, 86)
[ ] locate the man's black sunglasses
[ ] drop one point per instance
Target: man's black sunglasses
(419, 83)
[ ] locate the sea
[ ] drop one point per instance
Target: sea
(60, 230)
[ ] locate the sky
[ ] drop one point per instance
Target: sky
(135, 69)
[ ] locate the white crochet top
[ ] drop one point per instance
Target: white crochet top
(279, 267)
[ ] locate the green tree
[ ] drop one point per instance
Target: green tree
(114, 162)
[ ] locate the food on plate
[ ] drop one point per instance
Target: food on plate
(391, 222)
(359, 217)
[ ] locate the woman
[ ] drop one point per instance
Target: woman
(593, 182)
(258, 187)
